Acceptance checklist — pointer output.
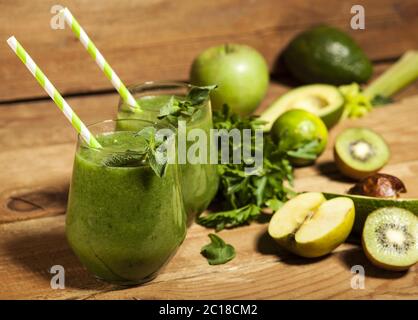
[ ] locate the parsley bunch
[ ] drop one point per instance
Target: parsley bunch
(245, 196)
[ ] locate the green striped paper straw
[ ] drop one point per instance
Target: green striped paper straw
(100, 60)
(53, 93)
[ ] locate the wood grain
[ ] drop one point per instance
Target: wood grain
(37, 146)
(28, 249)
(157, 39)
(260, 271)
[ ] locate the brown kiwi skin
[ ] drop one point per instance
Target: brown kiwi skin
(380, 264)
(350, 172)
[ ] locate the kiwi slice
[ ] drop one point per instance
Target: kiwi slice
(360, 152)
(390, 238)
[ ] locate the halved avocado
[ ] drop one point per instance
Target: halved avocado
(323, 100)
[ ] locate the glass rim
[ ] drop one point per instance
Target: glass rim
(163, 83)
(84, 144)
(143, 87)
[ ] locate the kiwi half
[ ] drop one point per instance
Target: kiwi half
(360, 152)
(390, 238)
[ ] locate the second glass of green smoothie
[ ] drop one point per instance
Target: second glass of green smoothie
(199, 180)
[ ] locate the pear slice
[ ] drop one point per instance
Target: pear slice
(311, 226)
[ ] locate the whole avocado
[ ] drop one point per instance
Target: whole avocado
(325, 54)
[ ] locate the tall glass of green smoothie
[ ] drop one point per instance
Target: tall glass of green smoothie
(124, 222)
(199, 180)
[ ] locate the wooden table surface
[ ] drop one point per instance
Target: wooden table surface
(37, 145)
(36, 157)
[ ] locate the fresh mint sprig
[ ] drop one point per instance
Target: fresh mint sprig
(184, 108)
(155, 151)
(127, 159)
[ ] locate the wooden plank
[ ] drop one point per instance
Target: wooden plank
(29, 248)
(154, 40)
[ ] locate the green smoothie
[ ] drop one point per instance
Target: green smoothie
(199, 181)
(123, 221)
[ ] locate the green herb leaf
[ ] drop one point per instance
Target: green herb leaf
(307, 150)
(126, 159)
(198, 95)
(229, 219)
(183, 109)
(217, 252)
(156, 166)
(148, 133)
(154, 150)
(274, 204)
(244, 196)
(171, 107)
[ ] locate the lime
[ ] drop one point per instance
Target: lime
(301, 134)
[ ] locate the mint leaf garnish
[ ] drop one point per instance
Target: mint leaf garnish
(217, 252)
(156, 166)
(182, 109)
(198, 95)
(155, 152)
(170, 108)
(126, 159)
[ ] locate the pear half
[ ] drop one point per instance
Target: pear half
(311, 226)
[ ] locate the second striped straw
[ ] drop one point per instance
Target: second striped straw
(100, 60)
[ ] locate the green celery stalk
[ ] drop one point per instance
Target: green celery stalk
(398, 76)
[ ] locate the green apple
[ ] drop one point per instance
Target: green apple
(310, 226)
(240, 72)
